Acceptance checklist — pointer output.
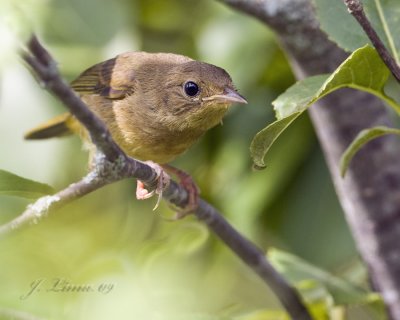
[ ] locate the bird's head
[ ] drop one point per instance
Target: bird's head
(197, 95)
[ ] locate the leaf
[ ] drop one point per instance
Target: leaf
(13, 185)
(264, 314)
(362, 138)
(362, 70)
(298, 271)
(299, 96)
(266, 137)
(348, 34)
(383, 15)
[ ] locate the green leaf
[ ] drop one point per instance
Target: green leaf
(362, 138)
(13, 185)
(266, 137)
(299, 96)
(348, 34)
(383, 15)
(362, 70)
(264, 314)
(298, 271)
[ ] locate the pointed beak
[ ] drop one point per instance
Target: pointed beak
(229, 96)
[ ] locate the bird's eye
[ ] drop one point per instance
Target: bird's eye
(191, 88)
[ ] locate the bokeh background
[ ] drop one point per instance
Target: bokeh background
(159, 269)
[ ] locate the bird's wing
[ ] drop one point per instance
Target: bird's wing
(101, 79)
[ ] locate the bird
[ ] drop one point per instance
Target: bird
(155, 105)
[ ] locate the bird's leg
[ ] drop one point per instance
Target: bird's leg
(186, 181)
(162, 182)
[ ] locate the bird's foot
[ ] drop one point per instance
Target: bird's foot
(187, 182)
(163, 180)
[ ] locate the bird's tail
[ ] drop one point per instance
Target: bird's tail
(62, 125)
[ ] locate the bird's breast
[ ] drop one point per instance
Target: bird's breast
(160, 146)
(145, 138)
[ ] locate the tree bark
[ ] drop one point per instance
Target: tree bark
(370, 192)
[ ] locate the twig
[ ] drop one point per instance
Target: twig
(355, 7)
(111, 164)
(254, 257)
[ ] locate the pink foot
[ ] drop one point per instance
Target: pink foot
(141, 192)
(162, 182)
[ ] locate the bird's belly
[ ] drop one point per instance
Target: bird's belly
(156, 153)
(159, 149)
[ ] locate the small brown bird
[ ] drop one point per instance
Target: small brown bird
(156, 105)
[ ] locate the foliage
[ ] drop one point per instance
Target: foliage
(363, 70)
(13, 185)
(325, 293)
(362, 138)
(163, 270)
(383, 16)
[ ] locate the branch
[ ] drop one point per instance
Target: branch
(254, 258)
(355, 7)
(112, 164)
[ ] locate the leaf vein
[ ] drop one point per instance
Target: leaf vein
(387, 30)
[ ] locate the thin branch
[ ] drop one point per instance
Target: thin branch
(355, 7)
(111, 164)
(254, 257)
(44, 205)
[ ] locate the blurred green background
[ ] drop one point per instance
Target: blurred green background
(159, 269)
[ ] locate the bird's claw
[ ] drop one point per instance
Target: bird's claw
(187, 182)
(163, 180)
(141, 192)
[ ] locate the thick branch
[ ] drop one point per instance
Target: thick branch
(111, 165)
(370, 193)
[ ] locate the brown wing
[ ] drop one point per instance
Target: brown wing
(99, 79)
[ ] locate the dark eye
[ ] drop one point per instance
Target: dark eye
(191, 88)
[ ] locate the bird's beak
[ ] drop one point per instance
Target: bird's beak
(229, 96)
